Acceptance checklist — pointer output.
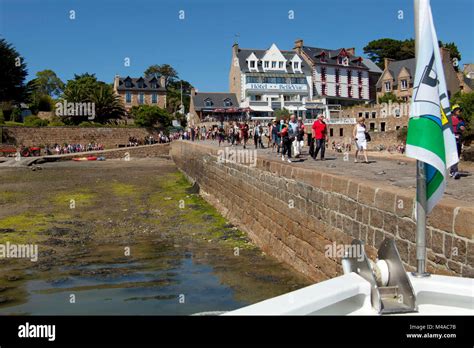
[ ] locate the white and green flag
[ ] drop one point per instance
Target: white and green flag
(430, 136)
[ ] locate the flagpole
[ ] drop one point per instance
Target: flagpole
(420, 184)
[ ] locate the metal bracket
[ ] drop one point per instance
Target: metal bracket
(397, 296)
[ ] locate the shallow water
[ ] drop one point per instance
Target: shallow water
(183, 257)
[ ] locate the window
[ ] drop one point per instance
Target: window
(298, 80)
(341, 132)
(266, 64)
(323, 89)
(349, 76)
(397, 127)
(337, 75)
(141, 98)
(269, 80)
(251, 79)
(128, 97)
(128, 84)
(227, 103)
(359, 77)
(338, 90)
(154, 98)
(286, 98)
(405, 99)
(274, 65)
(367, 114)
(208, 102)
(252, 64)
(374, 114)
(323, 57)
(382, 127)
(280, 65)
(403, 84)
(153, 85)
(331, 132)
(360, 114)
(360, 93)
(296, 65)
(141, 84)
(256, 97)
(349, 91)
(280, 80)
(388, 86)
(372, 126)
(323, 74)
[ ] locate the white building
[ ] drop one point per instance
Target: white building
(268, 80)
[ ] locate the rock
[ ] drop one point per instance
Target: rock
(381, 173)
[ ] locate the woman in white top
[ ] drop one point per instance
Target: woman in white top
(360, 140)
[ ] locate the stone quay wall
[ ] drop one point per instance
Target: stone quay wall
(40, 136)
(295, 213)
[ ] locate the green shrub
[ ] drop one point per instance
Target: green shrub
(35, 121)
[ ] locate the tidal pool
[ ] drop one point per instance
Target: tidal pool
(120, 237)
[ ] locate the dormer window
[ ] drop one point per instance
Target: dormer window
(274, 65)
(227, 103)
(208, 102)
(296, 65)
(323, 57)
(252, 64)
(266, 64)
(280, 65)
(128, 83)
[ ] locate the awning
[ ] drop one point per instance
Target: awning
(261, 108)
(295, 108)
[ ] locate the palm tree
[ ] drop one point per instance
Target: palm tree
(108, 105)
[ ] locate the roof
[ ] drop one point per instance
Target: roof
(217, 100)
(371, 65)
(147, 82)
(244, 53)
(314, 54)
(394, 67)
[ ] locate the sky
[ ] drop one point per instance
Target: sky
(104, 33)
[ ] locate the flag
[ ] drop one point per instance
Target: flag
(430, 136)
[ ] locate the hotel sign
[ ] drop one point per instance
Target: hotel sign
(277, 87)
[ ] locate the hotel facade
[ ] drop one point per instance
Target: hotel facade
(268, 80)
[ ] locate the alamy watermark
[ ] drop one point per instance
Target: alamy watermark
(20, 251)
(67, 109)
(344, 250)
(245, 156)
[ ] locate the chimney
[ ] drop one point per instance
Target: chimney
(116, 82)
(298, 46)
(235, 49)
(351, 51)
(193, 91)
(163, 81)
(445, 55)
(386, 62)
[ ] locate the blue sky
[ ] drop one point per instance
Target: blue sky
(105, 32)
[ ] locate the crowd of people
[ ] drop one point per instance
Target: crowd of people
(72, 148)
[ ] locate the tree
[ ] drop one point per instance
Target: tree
(466, 101)
(378, 50)
(151, 116)
(388, 97)
(49, 83)
(454, 52)
(86, 88)
(12, 73)
(107, 104)
(282, 114)
(165, 70)
(173, 95)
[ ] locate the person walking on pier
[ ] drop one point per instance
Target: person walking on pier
(285, 142)
(319, 132)
(459, 127)
(360, 138)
